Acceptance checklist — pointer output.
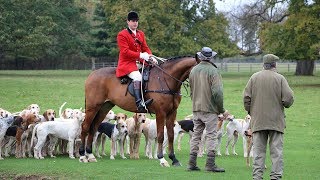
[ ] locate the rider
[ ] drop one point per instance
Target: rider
(133, 51)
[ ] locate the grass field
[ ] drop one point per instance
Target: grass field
(50, 89)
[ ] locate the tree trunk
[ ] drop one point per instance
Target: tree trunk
(305, 68)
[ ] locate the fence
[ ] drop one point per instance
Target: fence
(232, 67)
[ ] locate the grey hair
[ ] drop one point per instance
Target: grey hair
(269, 65)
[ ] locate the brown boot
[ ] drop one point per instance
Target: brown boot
(192, 166)
(210, 164)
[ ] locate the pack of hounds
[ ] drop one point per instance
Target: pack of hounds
(30, 133)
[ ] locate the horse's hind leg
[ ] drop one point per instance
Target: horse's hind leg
(170, 131)
(101, 114)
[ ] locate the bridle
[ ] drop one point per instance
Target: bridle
(185, 84)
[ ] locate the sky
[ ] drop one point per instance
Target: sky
(228, 5)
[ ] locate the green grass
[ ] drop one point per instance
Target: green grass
(50, 89)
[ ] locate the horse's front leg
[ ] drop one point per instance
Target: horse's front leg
(170, 131)
(89, 127)
(160, 134)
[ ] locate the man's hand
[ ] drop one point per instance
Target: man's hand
(145, 56)
(153, 60)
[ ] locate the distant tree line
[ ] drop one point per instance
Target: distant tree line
(70, 34)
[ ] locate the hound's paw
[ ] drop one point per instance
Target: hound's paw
(227, 154)
(83, 159)
(71, 157)
(200, 155)
(112, 157)
(1, 158)
(164, 163)
(123, 157)
(236, 154)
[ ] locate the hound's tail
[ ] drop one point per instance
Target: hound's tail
(60, 109)
(34, 133)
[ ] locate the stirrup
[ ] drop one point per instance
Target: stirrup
(141, 107)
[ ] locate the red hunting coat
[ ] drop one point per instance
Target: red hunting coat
(130, 47)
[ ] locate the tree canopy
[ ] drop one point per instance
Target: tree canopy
(298, 37)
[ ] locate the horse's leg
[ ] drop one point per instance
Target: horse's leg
(105, 108)
(170, 132)
(160, 118)
(93, 118)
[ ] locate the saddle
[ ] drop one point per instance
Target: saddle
(128, 80)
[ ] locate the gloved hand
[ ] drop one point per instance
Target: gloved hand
(145, 56)
(153, 60)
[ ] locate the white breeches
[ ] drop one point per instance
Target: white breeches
(135, 76)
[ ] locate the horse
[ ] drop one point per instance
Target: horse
(103, 91)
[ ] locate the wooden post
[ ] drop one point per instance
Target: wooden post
(93, 64)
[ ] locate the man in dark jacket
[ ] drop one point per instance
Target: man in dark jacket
(207, 103)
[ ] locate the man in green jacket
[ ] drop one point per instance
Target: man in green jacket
(207, 103)
(265, 96)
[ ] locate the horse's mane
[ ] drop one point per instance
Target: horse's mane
(179, 57)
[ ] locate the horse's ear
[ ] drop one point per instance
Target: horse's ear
(197, 58)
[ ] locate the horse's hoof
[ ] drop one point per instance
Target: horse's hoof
(164, 163)
(83, 159)
(176, 164)
(91, 158)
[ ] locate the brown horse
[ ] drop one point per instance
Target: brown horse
(103, 91)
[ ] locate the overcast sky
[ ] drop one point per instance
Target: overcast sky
(227, 5)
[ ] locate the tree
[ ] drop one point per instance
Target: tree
(174, 28)
(41, 30)
(297, 38)
(101, 43)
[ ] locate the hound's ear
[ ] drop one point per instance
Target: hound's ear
(125, 116)
(135, 116)
(118, 126)
(45, 115)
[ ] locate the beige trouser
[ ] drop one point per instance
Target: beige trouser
(203, 120)
(260, 139)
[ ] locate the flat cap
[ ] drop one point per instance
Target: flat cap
(270, 58)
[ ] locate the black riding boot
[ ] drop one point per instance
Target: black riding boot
(210, 164)
(137, 94)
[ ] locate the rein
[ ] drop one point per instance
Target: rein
(185, 84)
